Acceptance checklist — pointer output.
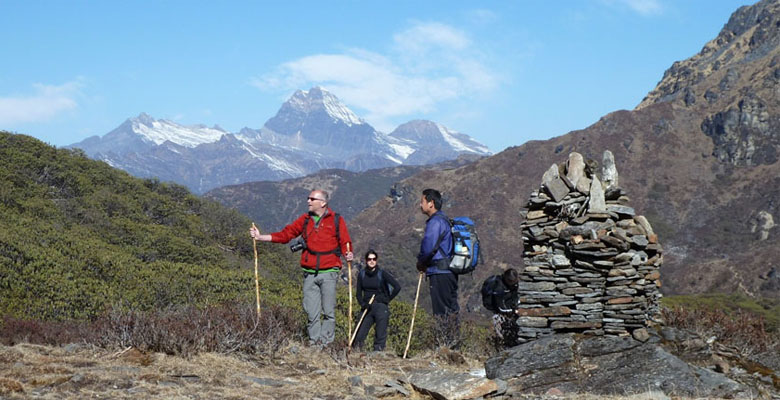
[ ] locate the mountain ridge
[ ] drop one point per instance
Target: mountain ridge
(350, 192)
(312, 130)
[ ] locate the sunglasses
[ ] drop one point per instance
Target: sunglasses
(314, 198)
(371, 259)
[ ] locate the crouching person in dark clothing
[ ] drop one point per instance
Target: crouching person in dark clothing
(374, 281)
(499, 295)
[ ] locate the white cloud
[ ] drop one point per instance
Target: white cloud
(644, 7)
(427, 64)
(483, 16)
(426, 37)
(47, 102)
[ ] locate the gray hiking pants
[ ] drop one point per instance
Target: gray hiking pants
(319, 302)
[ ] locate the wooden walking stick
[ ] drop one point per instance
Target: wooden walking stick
(257, 277)
(349, 313)
(414, 312)
(360, 322)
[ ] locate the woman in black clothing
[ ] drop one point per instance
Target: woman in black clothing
(374, 281)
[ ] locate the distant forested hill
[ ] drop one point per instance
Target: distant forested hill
(77, 236)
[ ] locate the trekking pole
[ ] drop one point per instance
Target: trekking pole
(349, 313)
(360, 322)
(257, 277)
(414, 312)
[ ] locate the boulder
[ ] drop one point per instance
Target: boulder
(546, 353)
(447, 385)
(605, 365)
(575, 168)
(609, 172)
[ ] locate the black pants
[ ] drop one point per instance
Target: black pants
(378, 314)
(444, 294)
(444, 301)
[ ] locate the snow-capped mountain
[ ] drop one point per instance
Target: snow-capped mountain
(434, 142)
(316, 122)
(311, 131)
(144, 131)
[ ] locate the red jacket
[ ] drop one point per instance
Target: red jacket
(320, 238)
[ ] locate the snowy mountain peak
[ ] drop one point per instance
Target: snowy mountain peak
(429, 133)
(160, 131)
(461, 142)
(318, 98)
(143, 118)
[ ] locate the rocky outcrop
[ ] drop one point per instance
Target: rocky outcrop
(591, 264)
(606, 365)
(762, 224)
(746, 134)
(750, 35)
(733, 83)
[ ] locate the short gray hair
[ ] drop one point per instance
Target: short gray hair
(324, 194)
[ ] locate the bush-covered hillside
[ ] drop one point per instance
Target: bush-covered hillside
(82, 240)
(77, 236)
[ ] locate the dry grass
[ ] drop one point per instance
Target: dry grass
(184, 331)
(76, 372)
(741, 330)
(226, 353)
(299, 373)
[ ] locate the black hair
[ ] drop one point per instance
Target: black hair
(510, 277)
(369, 252)
(434, 196)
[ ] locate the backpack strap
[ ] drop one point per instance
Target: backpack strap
(383, 285)
(441, 237)
(379, 278)
(384, 288)
(305, 225)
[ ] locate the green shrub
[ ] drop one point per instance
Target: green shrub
(80, 237)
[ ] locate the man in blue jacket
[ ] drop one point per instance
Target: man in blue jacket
(435, 254)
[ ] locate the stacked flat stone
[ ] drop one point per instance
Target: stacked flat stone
(591, 264)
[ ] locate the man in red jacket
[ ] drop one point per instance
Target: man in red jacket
(320, 262)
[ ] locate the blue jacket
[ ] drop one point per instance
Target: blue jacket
(437, 225)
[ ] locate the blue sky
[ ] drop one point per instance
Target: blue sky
(504, 72)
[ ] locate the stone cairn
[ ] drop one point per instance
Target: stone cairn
(591, 264)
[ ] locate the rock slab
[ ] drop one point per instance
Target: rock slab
(448, 385)
(607, 365)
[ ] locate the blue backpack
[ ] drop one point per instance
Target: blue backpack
(465, 254)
